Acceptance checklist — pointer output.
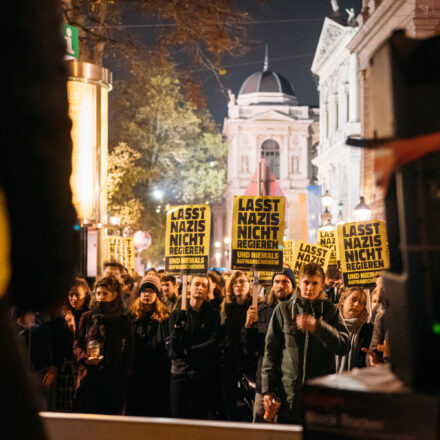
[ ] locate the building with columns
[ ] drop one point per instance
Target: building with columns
(265, 120)
(339, 166)
(377, 20)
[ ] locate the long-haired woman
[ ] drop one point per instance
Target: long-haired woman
(78, 302)
(353, 307)
(233, 315)
(104, 350)
(150, 383)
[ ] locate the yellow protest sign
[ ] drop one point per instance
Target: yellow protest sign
(257, 233)
(327, 239)
(364, 252)
(265, 277)
(288, 252)
(188, 230)
(309, 253)
(120, 249)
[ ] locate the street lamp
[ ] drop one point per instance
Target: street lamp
(326, 217)
(340, 215)
(327, 199)
(157, 194)
(362, 211)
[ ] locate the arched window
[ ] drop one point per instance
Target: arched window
(270, 150)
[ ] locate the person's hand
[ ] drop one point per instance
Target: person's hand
(371, 356)
(49, 376)
(267, 401)
(93, 362)
(251, 316)
(306, 323)
(70, 321)
(385, 349)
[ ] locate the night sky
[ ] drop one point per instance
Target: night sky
(292, 46)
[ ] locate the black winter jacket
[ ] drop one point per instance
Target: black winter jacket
(235, 359)
(193, 348)
(254, 339)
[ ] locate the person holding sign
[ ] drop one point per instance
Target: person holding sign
(193, 350)
(255, 329)
(303, 338)
(104, 351)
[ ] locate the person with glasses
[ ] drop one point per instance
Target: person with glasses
(233, 316)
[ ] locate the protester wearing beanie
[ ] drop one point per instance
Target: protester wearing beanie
(150, 383)
(257, 324)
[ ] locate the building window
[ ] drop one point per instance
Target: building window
(270, 150)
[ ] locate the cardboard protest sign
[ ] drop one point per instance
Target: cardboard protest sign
(120, 249)
(328, 240)
(288, 252)
(257, 233)
(187, 239)
(363, 251)
(309, 253)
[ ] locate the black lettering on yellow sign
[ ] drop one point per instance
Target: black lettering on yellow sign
(363, 251)
(257, 226)
(306, 253)
(327, 239)
(187, 230)
(187, 237)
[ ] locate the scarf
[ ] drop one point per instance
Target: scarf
(102, 311)
(354, 325)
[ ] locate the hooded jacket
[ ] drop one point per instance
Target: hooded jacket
(292, 356)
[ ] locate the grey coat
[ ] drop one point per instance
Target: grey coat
(292, 356)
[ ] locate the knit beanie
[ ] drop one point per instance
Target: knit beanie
(151, 282)
(289, 274)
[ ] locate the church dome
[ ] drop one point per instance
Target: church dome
(266, 82)
(267, 88)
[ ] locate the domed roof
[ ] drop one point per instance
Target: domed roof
(266, 82)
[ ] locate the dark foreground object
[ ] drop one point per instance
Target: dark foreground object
(372, 404)
(18, 407)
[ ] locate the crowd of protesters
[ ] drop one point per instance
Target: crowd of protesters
(132, 347)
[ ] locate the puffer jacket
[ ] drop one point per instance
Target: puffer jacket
(292, 356)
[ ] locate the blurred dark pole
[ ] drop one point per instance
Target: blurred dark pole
(83, 252)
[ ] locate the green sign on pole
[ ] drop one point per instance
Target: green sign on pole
(70, 38)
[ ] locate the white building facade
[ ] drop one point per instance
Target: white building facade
(265, 121)
(377, 20)
(339, 166)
